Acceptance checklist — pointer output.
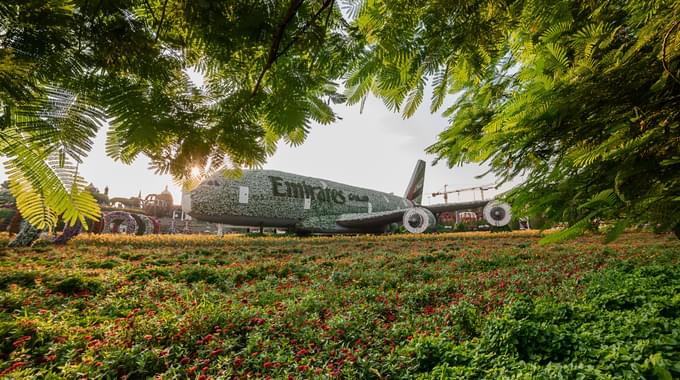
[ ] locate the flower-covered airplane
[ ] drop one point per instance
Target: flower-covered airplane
(269, 198)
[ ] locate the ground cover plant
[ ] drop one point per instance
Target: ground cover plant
(474, 305)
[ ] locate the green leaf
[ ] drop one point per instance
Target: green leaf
(615, 231)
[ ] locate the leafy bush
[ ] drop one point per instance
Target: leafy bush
(142, 274)
(202, 273)
(75, 284)
(105, 264)
(26, 279)
(627, 326)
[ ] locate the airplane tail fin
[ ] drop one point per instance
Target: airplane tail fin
(414, 191)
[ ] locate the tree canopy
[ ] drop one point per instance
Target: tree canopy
(581, 97)
(67, 67)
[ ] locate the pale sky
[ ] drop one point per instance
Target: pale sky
(376, 149)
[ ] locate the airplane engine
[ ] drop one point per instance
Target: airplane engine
(497, 214)
(418, 220)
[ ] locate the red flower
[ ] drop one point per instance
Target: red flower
(268, 364)
(258, 321)
(20, 342)
(184, 360)
(216, 352)
(302, 352)
(238, 361)
(148, 337)
(14, 366)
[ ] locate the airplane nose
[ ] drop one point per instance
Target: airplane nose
(186, 202)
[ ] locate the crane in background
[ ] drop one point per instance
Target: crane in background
(446, 192)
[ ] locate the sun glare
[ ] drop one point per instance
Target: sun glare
(195, 172)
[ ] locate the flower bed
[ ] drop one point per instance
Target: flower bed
(346, 307)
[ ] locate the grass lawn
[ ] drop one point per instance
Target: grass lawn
(388, 307)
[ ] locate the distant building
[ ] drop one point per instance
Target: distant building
(159, 205)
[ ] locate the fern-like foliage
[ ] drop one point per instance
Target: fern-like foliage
(268, 73)
(43, 141)
(580, 97)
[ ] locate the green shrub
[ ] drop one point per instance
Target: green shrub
(75, 284)
(143, 274)
(625, 327)
(202, 273)
(106, 264)
(10, 302)
(25, 279)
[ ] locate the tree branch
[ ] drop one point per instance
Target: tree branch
(304, 28)
(160, 23)
(325, 31)
(278, 36)
(148, 6)
(328, 16)
(274, 53)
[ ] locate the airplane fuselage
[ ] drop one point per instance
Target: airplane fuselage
(278, 199)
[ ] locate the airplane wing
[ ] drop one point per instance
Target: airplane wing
(364, 220)
(443, 207)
